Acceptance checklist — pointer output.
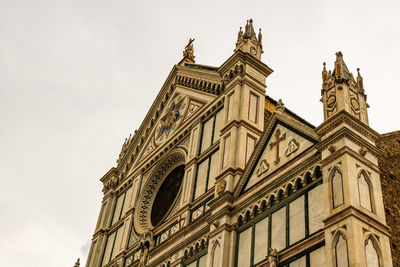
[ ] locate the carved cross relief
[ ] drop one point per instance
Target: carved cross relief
(279, 139)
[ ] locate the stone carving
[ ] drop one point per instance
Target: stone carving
(145, 244)
(264, 166)
(240, 35)
(354, 104)
(331, 148)
(363, 151)
(279, 139)
(273, 257)
(280, 106)
(220, 188)
(197, 213)
(293, 146)
(128, 261)
(331, 101)
(189, 51)
(164, 236)
(193, 107)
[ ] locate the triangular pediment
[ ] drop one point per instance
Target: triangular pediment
(283, 141)
(185, 92)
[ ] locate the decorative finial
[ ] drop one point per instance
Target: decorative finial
(77, 263)
(360, 82)
(240, 35)
(339, 74)
(324, 73)
(259, 37)
(189, 51)
(280, 106)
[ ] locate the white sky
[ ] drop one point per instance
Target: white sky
(76, 77)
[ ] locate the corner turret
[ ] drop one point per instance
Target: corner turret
(340, 91)
(249, 42)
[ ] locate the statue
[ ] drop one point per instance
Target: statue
(220, 188)
(189, 51)
(273, 257)
(145, 244)
(240, 35)
(144, 254)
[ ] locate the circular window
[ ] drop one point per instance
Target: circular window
(167, 195)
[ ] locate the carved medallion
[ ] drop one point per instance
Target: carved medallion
(330, 102)
(293, 146)
(264, 167)
(354, 104)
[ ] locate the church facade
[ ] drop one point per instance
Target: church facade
(220, 174)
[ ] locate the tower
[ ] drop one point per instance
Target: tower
(355, 226)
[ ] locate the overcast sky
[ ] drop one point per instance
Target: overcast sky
(77, 77)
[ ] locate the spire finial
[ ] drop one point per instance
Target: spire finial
(77, 263)
(260, 37)
(240, 35)
(338, 71)
(280, 106)
(324, 73)
(360, 82)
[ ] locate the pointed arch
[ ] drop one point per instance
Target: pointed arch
(336, 184)
(340, 248)
(215, 254)
(373, 250)
(365, 191)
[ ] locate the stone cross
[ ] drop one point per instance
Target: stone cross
(279, 139)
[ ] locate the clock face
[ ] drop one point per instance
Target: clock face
(253, 51)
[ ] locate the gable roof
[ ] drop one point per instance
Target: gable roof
(278, 117)
(203, 79)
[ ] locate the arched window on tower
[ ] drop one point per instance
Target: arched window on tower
(341, 255)
(337, 189)
(364, 191)
(371, 254)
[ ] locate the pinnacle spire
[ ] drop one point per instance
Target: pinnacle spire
(249, 30)
(77, 263)
(324, 73)
(340, 71)
(360, 82)
(248, 41)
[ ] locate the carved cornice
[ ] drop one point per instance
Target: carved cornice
(344, 117)
(359, 214)
(349, 134)
(201, 84)
(245, 58)
(349, 151)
